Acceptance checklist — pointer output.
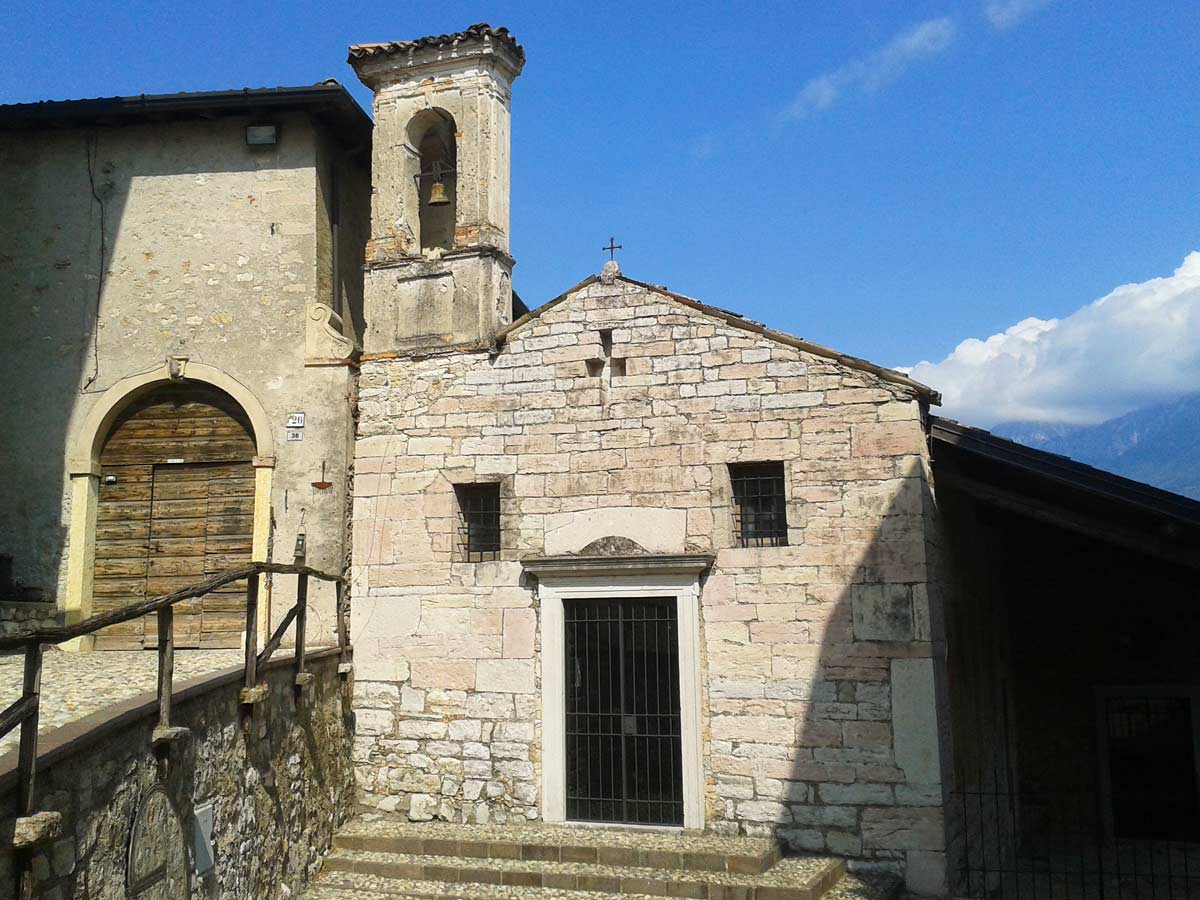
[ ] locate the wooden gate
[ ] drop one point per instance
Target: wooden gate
(176, 505)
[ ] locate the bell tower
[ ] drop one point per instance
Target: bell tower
(438, 274)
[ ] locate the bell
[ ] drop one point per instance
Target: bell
(437, 195)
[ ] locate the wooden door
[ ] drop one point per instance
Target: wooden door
(176, 506)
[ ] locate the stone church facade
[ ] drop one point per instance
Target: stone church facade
(607, 430)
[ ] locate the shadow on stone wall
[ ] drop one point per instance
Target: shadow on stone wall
(857, 674)
(67, 253)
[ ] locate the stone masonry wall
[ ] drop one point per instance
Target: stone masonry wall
(22, 615)
(210, 251)
(279, 791)
(803, 645)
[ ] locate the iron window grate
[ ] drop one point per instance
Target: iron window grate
(478, 522)
(759, 504)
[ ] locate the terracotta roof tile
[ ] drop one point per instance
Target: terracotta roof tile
(480, 32)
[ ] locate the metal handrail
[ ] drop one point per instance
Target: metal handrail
(24, 711)
(62, 633)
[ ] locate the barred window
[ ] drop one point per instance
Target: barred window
(759, 504)
(478, 522)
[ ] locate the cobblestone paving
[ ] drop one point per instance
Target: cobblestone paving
(377, 824)
(77, 684)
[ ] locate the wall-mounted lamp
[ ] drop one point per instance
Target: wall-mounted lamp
(262, 135)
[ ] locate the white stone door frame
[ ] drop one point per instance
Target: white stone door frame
(574, 578)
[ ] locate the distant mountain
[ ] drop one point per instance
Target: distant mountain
(1159, 445)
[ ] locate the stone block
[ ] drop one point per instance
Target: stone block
(766, 729)
(420, 729)
(903, 828)
(412, 700)
(421, 808)
(764, 811)
(735, 787)
(489, 706)
(374, 721)
(873, 735)
(520, 628)
(464, 729)
(515, 676)
(855, 794)
(882, 612)
(443, 673)
(514, 731)
(914, 720)
(887, 439)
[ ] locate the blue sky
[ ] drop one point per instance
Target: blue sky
(887, 178)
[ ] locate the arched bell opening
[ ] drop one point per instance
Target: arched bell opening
(431, 134)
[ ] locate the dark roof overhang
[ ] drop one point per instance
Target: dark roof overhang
(1065, 493)
(329, 104)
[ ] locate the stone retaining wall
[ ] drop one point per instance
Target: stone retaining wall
(278, 791)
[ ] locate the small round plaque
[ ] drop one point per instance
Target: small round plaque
(158, 863)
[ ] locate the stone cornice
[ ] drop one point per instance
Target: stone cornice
(649, 564)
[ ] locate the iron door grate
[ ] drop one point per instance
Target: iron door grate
(624, 754)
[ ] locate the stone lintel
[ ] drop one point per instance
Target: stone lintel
(345, 669)
(304, 679)
(650, 564)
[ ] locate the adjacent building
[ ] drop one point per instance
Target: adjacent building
(182, 284)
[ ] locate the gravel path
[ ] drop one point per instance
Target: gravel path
(77, 684)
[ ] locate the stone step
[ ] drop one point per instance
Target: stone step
(690, 850)
(792, 878)
(358, 886)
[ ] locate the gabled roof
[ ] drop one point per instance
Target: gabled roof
(328, 102)
(739, 321)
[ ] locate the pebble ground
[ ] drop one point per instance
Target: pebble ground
(77, 684)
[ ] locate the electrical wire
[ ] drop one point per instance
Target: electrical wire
(92, 150)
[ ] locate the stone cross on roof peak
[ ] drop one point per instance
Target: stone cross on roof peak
(611, 269)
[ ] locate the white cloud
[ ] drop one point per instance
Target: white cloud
(875, 72)
(1138, 345)
(1005, 14)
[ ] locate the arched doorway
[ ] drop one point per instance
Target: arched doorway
(175, 505)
